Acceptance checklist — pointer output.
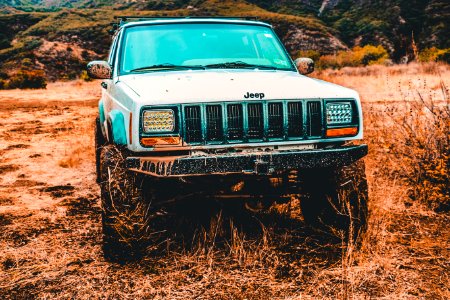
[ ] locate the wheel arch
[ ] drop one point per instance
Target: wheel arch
(116, 127)
(101, 116)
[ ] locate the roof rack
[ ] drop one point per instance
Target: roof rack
(142, 18)
(124, 19)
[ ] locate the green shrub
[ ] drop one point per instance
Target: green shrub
(358, 56)
(84, 76)
(27, 63)
(371, 55)
(313, 54)
(434, 54)
(28, 79)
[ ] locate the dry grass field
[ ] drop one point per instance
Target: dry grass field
(50, 235)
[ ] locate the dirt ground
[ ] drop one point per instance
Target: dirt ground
(50, 235)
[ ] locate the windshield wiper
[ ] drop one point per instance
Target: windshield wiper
(239, 64)
(168, 66)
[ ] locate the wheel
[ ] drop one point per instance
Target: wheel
(126, 211)
(99, 143)
(336, 199)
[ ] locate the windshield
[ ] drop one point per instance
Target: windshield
(201, 46)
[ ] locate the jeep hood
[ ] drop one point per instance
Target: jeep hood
(175, 87)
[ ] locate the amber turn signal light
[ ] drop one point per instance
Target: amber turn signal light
(336, 132)
(152, 141)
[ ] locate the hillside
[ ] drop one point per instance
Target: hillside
(61, 36)
(356, 21)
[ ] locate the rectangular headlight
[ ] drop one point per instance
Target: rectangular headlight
(339, 113)
(159, 121)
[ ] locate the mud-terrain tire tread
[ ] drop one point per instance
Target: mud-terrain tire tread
(126, 213)
(336, 199)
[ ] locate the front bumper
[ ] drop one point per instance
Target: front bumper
(264, 163)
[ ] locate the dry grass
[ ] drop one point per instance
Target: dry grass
(415, 143)
(379, 83)
(80, 144)
(52, 249)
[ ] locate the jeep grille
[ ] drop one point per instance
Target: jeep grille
(193, 125)
(252, 122)
(214, 119)
(255, 121)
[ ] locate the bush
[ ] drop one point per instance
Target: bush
(313, 54)
(28, 79)
(84, 76)
(371, 55)
(358, 56)
(435, 54)
(420, 144)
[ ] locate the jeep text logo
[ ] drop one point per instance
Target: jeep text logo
(255, 95)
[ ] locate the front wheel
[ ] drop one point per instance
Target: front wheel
(99, 141)
(127, 214)
(336, 200)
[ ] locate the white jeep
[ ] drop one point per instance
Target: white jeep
(215, 107)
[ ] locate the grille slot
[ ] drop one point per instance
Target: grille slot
(275, 119)
(221, 123)
(255, 121)
(295, 119)
(235, 121)
(214, 126)
(193, 124)
(314, 118)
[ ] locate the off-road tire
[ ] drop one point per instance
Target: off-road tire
(100, 141)
(336, 200)
(126, 208)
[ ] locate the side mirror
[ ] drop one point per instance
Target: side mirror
(304, 65)
(99, 69)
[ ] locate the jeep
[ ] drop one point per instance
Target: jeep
(216, 108)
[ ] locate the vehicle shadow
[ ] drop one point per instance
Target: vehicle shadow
(196, 225)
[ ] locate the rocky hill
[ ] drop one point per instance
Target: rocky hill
(61, 36)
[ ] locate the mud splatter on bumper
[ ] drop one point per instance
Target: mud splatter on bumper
(246, 163)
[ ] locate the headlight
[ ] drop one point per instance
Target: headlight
(339, 113)
(159, 121)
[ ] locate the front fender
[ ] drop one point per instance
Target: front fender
(118, 131)
(101, 111)
(101, 114)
